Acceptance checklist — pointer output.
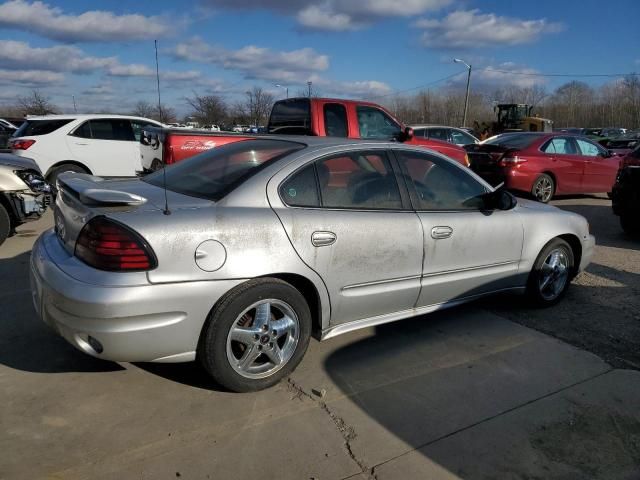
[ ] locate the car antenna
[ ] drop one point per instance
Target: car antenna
(166, 210)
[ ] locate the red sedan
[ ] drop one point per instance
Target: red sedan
(545, 164)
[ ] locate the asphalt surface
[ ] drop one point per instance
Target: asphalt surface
(490, 390)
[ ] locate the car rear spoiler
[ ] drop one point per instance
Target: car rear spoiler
(86, 188)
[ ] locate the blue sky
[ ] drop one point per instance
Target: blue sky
(102, 52)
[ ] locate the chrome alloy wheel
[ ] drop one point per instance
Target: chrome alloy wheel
(263, 339)
(543, 190)
(554, 274)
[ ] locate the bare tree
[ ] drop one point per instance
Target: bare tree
(258, 105)
(207, 109)
(36, 104)
(148, 110)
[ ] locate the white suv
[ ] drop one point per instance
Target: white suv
(103, 145)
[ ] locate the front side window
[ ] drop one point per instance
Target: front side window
(335, 120)
(440, 185)
(461, 138)
(588, 149)
(358, 180)
(374, 123)
(138, 126)
(216, 172)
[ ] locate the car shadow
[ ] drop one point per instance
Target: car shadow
(191, 374)
(26, 343)
(430, 379)
(603, 224)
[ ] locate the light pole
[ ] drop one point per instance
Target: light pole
(309, 85)
(466, 98)
(285, 87)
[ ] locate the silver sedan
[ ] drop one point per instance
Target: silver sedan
(239, 255)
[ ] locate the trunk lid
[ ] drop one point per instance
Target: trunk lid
(485, 159)
(82, 197)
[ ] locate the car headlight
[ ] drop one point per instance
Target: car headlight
(34, 181)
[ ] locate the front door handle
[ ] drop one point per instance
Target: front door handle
(322, 239)
(441, 232)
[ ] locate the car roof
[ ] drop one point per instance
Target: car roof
(73, 116)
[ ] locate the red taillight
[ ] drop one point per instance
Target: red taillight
(108, 245)
(20, 144)
(511, 161)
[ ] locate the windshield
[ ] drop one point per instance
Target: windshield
(216, 172)
(513, 140)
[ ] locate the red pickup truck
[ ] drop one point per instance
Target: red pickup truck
(295, 116)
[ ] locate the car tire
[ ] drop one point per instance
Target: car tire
(255, 335)
(5, 224)
(551, 274)
(630, 223)
(52, 177)
(543, 188)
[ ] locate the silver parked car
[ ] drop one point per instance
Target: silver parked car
(255, 246)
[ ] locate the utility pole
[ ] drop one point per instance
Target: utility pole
(466, 98)
(285, 87)
(309, 85)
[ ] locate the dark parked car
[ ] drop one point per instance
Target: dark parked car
(626, 199)
(5, 134)
(545, 164)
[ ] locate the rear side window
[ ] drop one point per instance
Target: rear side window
(513, 140)
(562, 146)
(291, 117)
(438, 134)
(111, 129)
(32, 128)
(358, 180)
(301, 190)
(335, 120)
(83, 131)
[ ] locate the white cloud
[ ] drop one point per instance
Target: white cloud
(256, 62)
(472, 29)
(30, 77)
(95, 25)
(130, 70)
(61, 58)
(363, 89)
(500, 75)
(337, 15)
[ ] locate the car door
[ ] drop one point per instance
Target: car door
(348, 220)
(600, 167)
(105, 146)
(562, 158)
(467, 249)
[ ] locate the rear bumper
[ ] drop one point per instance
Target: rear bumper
(142, 323)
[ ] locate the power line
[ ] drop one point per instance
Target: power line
(531, 74)
(396, 92)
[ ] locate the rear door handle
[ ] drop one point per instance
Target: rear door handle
(323, 239)
(77, 143)
(441, 232)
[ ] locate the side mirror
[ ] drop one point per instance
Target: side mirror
(407, 134)
(499, 200)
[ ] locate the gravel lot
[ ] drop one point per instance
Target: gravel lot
(601, 312)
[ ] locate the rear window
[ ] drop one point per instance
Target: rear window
(291, 117)
(512, 140)
(32, 128)
(216, 172)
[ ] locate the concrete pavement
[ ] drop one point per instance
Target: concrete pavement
(458, 394)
